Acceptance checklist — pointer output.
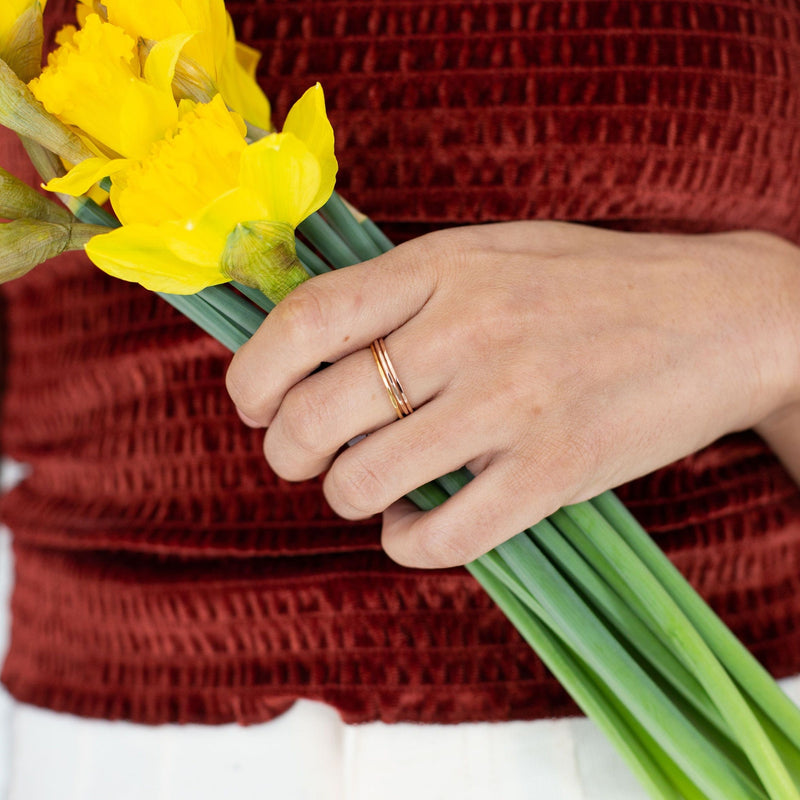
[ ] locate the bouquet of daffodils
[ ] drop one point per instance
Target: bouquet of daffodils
(155, 108)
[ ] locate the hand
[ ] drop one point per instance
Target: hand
(553, 360)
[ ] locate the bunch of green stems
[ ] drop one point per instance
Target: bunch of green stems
(686, 705)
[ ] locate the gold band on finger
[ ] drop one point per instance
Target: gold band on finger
(394, 388)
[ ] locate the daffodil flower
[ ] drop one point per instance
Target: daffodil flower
(206, 207)
(228, 66)
(94, 81)
(21, 35)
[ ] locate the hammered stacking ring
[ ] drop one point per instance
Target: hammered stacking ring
(394, 388)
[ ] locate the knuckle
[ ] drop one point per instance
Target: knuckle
(243, 390)
(501, 311)
(455, 243)
(438, 546)
(445, 251)
(280, 459)
(302, 314)
(304, 420)
(354, 488)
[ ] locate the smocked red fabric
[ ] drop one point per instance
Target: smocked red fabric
(164, 574)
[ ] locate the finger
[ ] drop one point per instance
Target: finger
(328, 409)
(377, 471)
(325, 319)
(465, 526)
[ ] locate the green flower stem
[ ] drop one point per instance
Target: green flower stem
(327, 241)
(603, 593)
(494, 576)
(586, 634)
(750, 675)
(257, 297)
(86, 210)
(310, 260)
(789, 754)
(620, 614)
(236, 308)
(686, 788)
(383, 242)
(528, 559)
(342, 220)
(688, 645)
(208, 318)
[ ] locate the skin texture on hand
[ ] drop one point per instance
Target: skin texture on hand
(553, 360)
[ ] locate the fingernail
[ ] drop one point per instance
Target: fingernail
(247, 421)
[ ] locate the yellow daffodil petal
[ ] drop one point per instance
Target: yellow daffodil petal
(248, 58)
(194, 244)
(66, 34)
(285, 177)
(12, 10)
(161, 258)
(243, 94)
(159, 68)
(212, 50)
(308, 121)
(221, 216)
(98, 195)
(236, 80)
(158, 20)
(84, 8)
(211, 18)
(148, 19)
(145, 116)
(82, 177)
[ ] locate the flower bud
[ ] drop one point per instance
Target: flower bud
(23, 113)
(18, 200)
(262, 254)
(21, 37)
(26, 243)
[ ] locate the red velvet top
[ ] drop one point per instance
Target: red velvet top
(163, 572)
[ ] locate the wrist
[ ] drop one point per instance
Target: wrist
(773, 303)
(781, 431)
(780, 426)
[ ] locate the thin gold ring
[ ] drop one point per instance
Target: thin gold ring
(394, 388)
